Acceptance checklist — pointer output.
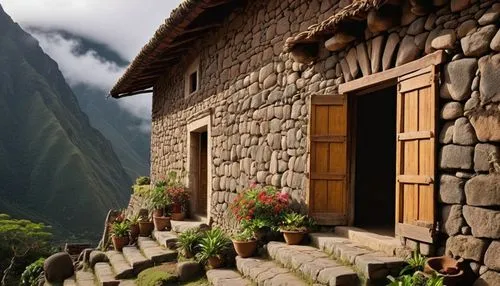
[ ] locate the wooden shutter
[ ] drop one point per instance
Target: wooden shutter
(415, 155)
(328, 163)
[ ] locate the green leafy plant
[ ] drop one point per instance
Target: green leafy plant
(142, 181)
(245, 235)
(32, 273)
(417, 279)
(213, 244)
(133, 219)
(415, 263)
(188, 242)
(293, 221)
(120, 229)
(158, 199)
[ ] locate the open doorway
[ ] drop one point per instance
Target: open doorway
(199, 171)
(375, 164)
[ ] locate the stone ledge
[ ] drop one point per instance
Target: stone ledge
(166, 239)
(121, 267)
(154, 252)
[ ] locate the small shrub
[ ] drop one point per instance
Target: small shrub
(188, 242)
(296, 222)
(213, 244)
(32, 273)
(245, 235)
(142, 181)
(415, 263)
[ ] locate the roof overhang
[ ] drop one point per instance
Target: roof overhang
(187, 23)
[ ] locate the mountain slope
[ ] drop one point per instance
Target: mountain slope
(125, 131)
(54, 166)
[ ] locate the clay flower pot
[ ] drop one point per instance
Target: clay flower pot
(178, 216)
(446, 267)
(145, 228)
(157, 212)
(293, 237)
(245, 248)
(161, 222)
(134, 231)
(119, 242)
(214, 262)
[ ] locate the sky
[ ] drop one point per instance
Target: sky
(123, 25)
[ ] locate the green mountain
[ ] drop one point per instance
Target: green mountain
(125, 131)
(54, 166)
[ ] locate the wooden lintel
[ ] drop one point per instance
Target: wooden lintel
(415, 135)
(415, 179)
(327, 99)
(391, 75)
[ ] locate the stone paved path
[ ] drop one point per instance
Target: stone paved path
(226, 277)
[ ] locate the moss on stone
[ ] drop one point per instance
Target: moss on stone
(156, 276)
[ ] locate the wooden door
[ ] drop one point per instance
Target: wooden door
(202, 176)
(415, 155)
(328, 160)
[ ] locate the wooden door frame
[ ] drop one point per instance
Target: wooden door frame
(365, 85)
(200, 125)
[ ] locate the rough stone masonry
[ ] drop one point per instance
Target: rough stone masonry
(260, 101)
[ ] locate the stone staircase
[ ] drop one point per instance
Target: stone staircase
(347, 257)
(124, 266)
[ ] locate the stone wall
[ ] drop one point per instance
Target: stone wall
(259, 101)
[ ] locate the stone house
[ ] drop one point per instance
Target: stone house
(379, 114)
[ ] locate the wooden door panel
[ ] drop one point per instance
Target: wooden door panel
(415, 155)
(328, 167)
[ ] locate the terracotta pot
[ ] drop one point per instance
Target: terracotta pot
(145, 228)
(176, 208)
(293, 237)
(119, 242)
(134, 231)
(245, 248)
(161, 222)
(158, 212)
(446, 267)
(214, 262)
(178, 216)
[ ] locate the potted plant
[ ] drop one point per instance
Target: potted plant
(212, 246)
(134, 226)
(294, 227)
(260, 209)
(245, 243)
(158, 202)
(120, 232)
(146, 226)
(178, 195)
(188, 242)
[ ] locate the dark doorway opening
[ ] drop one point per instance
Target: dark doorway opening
(375, 169)
(202, 179)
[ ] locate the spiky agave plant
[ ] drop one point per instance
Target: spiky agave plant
(213, 244)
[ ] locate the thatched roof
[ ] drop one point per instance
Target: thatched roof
(355, 11)
(186, 23)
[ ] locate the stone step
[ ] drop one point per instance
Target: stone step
(85, 278)
(372, 265)
(136, 259)
(387, 244)
(127, 283)
(105, 275)
(226, 277)
(266, 272)
(120, 265)
(154, 252)
(167, 239)
(313, 264)
(179, 226)
(71, 281)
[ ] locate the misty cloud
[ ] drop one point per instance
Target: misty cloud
(90, 69)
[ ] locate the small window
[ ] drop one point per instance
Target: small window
(193, 82)
(192, 78)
